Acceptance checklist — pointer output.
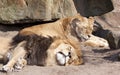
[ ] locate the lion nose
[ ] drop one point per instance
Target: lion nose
(69, 54)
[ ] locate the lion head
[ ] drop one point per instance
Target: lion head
(82, 28)
(63, 53)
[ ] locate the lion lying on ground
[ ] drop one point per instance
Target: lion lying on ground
(56, 43)
(43, 52)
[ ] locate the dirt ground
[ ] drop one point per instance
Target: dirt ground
(96, 61)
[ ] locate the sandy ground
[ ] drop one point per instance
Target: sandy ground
(97, 61)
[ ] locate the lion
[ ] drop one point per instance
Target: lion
(43, 51)
(50, 44)
(76, 27)
(61, 52)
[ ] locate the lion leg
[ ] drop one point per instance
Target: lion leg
(98, 42)
(18, 52)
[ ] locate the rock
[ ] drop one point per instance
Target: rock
(116, 4)
(113, 38)
(108, 27)
(27, 11)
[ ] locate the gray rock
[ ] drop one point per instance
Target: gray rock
(108, 27)
(113, 38)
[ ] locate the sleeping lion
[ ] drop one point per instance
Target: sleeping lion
(42, 51)
(50, 44)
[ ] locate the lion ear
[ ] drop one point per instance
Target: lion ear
(91, 20)
(91, 23)
(65, 23)
(78, 14)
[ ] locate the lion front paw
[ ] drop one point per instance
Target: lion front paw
(20, 64)
(7, 68)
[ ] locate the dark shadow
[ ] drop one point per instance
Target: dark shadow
(3, 71)
(93, 7)
(20, 25)
(102, 50)
(113, 57)
(80, 6)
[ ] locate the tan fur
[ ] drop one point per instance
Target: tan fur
(4, 45)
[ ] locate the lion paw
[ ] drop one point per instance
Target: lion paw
(7, 68)
(18, 67)
(20, 64)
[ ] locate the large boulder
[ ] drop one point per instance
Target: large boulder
(116, 4)
(108, 27)
(26, 11)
